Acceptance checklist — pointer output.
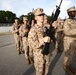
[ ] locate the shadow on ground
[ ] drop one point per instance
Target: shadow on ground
(30, 70)
(53, 63)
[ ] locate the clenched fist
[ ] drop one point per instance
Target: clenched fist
(17, 30)
(26, 30)
(47, 39)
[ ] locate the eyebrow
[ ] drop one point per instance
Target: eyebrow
(40, 15)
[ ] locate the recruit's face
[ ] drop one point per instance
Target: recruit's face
(16, 22)
(45, 20)
(75, 13)
(25, 22)
(32, 22)
(40, 18)
(59, 20)
(72, 14)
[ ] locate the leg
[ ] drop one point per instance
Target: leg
(17, 41)
(38, 62)
(26, 49)
(67, 57)
(31, 55)
(47, 63)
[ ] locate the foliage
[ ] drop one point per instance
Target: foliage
(7, 17)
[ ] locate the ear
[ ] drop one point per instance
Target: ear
(35, 17)
(23, 20)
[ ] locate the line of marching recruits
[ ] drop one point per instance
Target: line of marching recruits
(21, 38)
(33, 40)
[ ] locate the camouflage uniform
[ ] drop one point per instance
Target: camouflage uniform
(30, 48)
(69, 41)
(25, 40)
(21, 42)
(35, 39)
(59, 36)
(16, 37)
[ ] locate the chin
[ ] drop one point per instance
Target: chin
(42, 21)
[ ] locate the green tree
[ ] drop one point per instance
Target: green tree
(7, 16)
(2, 16)
(10, 16)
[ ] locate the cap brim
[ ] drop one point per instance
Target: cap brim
(71, 11)
(74, 10)
(41, 14)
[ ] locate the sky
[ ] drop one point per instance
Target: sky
(20, 7)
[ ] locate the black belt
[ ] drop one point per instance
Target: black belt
(71, 36)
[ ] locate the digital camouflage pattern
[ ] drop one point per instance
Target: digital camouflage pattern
(59, 35)
(69, 41)
(22, 31)
(16, 37)
(35, 40)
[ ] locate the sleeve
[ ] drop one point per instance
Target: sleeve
(68, 30)
(21, 31)
(13, 29)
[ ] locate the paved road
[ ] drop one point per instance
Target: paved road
(13, 64)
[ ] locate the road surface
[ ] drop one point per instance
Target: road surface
(13, 64)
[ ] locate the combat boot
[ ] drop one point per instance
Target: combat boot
(72, 69)
(22, 51)
(31, 60)
(58, 50)
(19, 52)
(27, 61)
(66, 68)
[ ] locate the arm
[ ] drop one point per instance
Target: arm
(21, 31)
(33, 39)
(41, 39)
(14, 30)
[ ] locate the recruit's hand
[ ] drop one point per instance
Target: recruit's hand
(17, 30)
(26, 30)
(47, 39)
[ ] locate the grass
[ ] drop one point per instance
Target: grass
(5, 33)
